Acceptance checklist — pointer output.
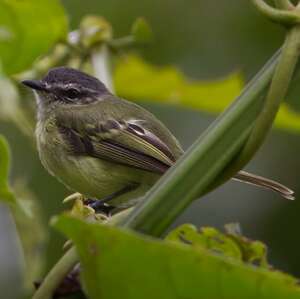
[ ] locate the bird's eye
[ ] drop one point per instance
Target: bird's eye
(72, 93)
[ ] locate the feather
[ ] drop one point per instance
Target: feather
(122, 142)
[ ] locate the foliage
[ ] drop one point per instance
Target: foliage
(122, 264)
(231, 244)
(28, 29)
(167, 85)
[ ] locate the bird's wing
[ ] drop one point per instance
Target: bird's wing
(123, 142)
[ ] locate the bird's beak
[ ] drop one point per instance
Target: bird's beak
(35, 84)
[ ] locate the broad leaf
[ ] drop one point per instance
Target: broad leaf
(28, 29)
(167, 85)
(122, 264)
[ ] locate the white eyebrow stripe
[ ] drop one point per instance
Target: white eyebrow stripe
(63, 86)
(76, 86)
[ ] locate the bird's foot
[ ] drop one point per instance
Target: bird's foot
(99, 206)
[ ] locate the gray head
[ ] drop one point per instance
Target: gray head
(67, 85)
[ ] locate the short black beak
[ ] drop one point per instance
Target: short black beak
(35, 84)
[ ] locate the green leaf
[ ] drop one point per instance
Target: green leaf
(229, 244)
(167, 85)
(208, 238)
(123, 264)
(28, 29)
(5, 193)
(252, 251)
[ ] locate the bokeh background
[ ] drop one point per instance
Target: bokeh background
(206, 40)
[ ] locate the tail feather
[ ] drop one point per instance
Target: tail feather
(260, 181)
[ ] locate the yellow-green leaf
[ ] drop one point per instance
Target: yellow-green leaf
(140, 81)
(229, 244)
(208, 238)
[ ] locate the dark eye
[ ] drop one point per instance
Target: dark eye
(72, 93)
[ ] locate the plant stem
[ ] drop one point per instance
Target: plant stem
(277, 92)
(205, 159)
(200, 167)
(56, 275)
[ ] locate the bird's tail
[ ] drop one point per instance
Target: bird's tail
(256, 180)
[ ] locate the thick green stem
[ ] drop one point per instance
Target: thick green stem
(276, 94)
(214, 149)
(200, 167)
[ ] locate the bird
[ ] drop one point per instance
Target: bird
(109, 149)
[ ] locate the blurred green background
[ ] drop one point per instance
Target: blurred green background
(206, 40)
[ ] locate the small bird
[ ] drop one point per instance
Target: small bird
(102, 146)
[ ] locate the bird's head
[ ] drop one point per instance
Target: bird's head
(67, 86)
